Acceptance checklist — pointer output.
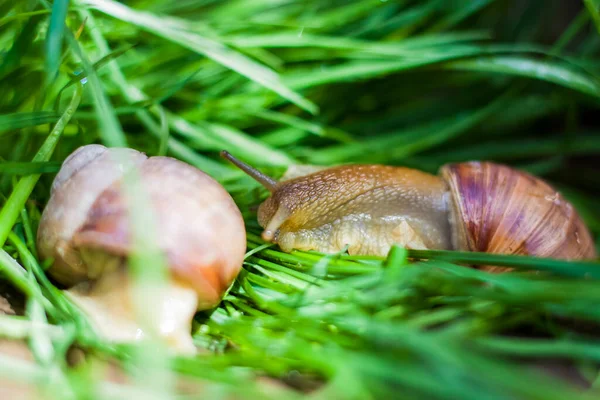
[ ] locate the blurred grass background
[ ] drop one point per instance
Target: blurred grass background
(279, 82)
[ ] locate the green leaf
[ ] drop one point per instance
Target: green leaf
(559, 74)
(217, 137)
(54, 37)
(20, 46)
(11, 122)
(110, 127)
(180, 32)
(593, 7)
(566, 268)
(29, 168)
(402, 144)
(15, 203)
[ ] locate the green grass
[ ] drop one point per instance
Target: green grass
(279, 82)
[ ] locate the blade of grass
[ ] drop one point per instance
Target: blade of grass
(519, 149)
(399, 145)
(17, 276)
(580, 269)
(110, 128)
(29, 168)
(134, 95)
(541, 70)
(20, 46)
(15, 203)
(149, 272)
(541, 348)
(49, 291)
(54, 38)
(11, 122)
(177, 31)
(15, 327)
(593, 8)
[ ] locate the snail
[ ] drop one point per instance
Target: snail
(85, 228)
(471, 206)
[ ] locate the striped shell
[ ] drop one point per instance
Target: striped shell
(497, 209)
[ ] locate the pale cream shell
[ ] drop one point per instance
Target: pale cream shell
(202, 233)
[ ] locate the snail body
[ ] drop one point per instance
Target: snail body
(369, 208)
(472, 206)
(86, 228)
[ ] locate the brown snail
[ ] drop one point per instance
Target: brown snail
(473, 206)
(86, 229)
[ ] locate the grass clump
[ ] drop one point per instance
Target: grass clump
(283, 82)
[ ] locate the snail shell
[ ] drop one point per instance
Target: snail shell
(86, 227)
(497, 209)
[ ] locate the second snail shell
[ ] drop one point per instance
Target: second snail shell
(86, 228)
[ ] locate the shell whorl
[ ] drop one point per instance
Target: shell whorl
(84, 175)
(498, 209)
